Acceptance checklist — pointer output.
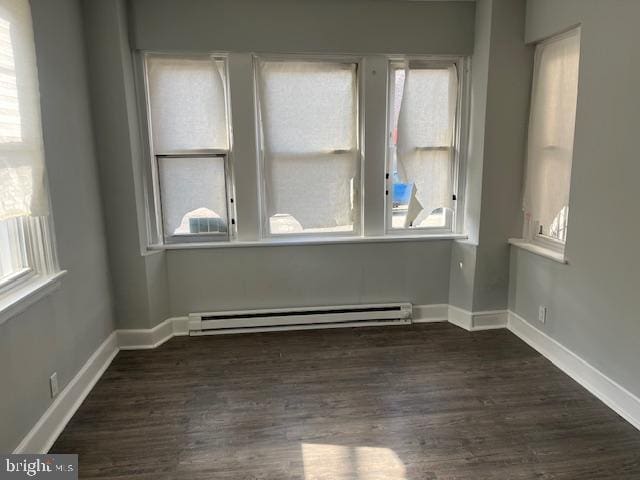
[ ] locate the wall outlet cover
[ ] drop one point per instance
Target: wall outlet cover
(542, 314)
(53, 383)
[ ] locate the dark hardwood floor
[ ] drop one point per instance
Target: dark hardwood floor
(394, 403)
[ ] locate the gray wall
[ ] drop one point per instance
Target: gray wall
(61, 331)
(501, 84)
(463, 253)
(140, 280)
(333, 26)
(507, 114)
(263, 277)
(593, 301)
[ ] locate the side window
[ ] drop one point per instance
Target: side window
(423, 110)
(26, 239)
(188, 116)
(550, 142)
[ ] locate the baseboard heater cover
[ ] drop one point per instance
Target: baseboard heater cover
(299, 318)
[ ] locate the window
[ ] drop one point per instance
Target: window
(422, 154)
(26, 248)
(550, 143)
(310, 146)
(190, 143)
(298, 163)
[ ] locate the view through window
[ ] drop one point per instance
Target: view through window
(421, 167)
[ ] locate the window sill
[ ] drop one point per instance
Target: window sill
(539, 250)
(18, 299)
(282, 242)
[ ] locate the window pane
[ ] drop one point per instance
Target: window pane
(551, 131)
(193, 195)
(309, 131)
(187, 101)
(13, 257)
(421, 146)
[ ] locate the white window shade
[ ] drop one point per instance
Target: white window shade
(551, 132)
(310, 148)
(22, 169)
(425, 139)
(188, 103)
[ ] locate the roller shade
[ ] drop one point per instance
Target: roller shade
(551, 132)
(309, 132)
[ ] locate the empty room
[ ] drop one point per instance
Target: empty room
(319, 239)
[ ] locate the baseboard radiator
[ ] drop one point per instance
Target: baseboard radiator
(299, 318)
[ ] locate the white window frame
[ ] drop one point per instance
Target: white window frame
(454, 221)
(153, 195)
(532, 235)
(197, 237)
(40, 271)
(265, 230)
(14, 234)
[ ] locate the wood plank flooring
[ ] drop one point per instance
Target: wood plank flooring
(420, 402)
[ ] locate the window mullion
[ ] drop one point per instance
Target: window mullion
(243, 157)
(375, 144)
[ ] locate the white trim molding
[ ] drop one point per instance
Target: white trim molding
(476, 321)
(612, 394)
(45, 432)
(47, 429)
(18, 299)
(430, 313)
(312, 240)
(141, 339)
(541, 250)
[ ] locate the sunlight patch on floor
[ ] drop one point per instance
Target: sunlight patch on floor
(340, 462)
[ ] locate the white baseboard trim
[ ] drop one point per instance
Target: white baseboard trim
(476, 321)
(460, 318)
(430, 313)
(614, 395)
(45, 432)
(489, 320)
(141, 339)
(47, 429)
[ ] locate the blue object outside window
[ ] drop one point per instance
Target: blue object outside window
(401, 191)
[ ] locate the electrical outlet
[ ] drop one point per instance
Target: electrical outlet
(542, 314)
(53, 383)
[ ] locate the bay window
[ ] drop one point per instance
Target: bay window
(300, 164)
